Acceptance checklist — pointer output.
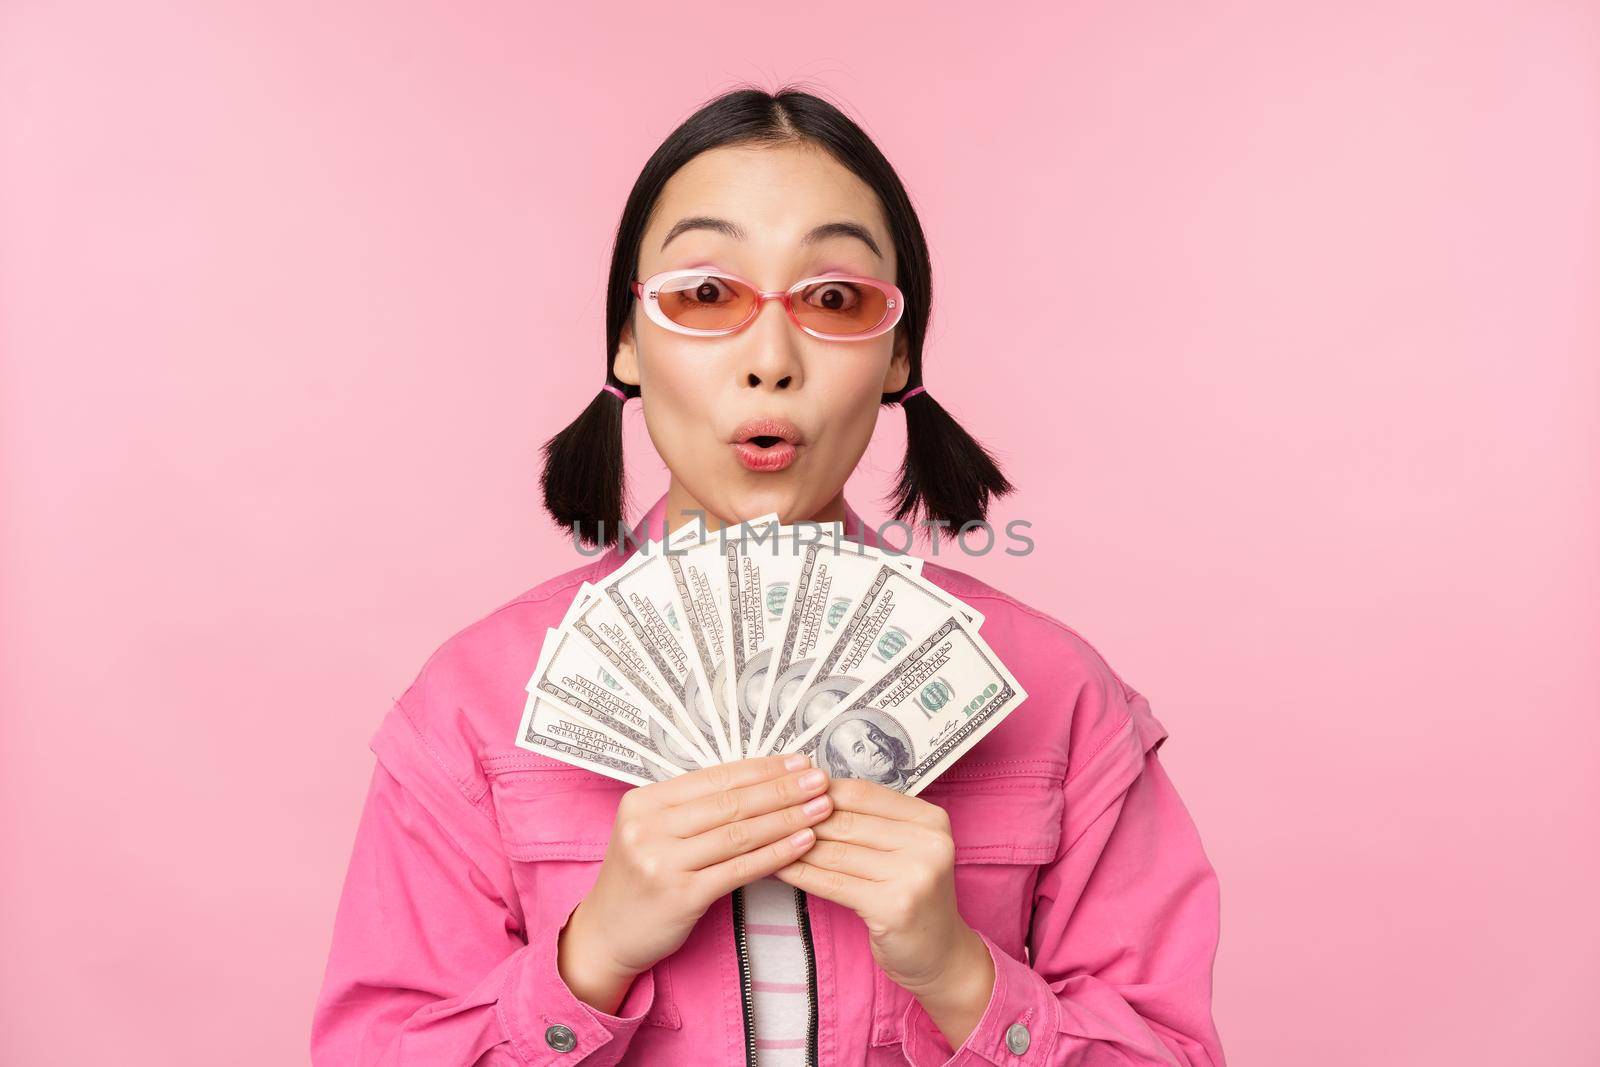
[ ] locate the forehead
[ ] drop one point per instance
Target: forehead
(776, 196)
(851, 730)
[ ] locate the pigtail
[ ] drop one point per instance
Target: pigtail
(946, 474)
(583, 479)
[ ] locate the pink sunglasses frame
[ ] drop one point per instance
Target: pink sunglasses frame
(649, 292)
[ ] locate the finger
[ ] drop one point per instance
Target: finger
(730, 839)
(870, 798)
(858, 861)
(843, 889)
(872, 831)
(702, 814)
(721, 878)
(688, 787)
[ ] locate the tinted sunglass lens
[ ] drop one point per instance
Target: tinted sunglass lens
(840, 308)
(705, 301)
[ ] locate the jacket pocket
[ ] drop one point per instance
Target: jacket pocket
(555, 825)
(1005, 820)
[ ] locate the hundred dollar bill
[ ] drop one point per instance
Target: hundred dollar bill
(636, 615)
(702, 567)
(760, 575)
(827, 585)
(553, 728)
(547, 728)
(759, 557)
(903, 726)
(571, 675)
(767, 567)
(680, 637)
(644, 599)
(639, 628)
(614, 639)
(624, 664)
(894, 610)
(743, 652)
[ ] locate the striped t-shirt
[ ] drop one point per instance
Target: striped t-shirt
(777, 973)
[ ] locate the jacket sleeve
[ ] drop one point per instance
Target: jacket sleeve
(429, 965)
(1124, 932)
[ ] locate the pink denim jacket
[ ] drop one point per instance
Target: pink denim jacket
(1076, 862)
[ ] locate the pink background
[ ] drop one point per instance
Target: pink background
(1301, 397)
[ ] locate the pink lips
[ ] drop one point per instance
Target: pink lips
(773, 457)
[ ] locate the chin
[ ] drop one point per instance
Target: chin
(749, 503)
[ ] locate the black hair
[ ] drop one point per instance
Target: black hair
(946, 474)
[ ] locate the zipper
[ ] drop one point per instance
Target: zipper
(742, 943)
(804, 915)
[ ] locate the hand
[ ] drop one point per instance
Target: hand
(676, 847)
(890, 858)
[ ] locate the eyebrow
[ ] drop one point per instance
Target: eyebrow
(732, 229)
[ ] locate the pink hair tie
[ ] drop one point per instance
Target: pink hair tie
(911, 393)
(608, 387)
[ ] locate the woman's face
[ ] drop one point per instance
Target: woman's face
(697, 391)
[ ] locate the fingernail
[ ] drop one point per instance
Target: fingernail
(816, 805)
(811, 779)
(796, 761)
(801, 839)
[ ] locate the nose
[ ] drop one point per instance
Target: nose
(771, 355)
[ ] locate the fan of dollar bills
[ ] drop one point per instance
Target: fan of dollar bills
(766, 638)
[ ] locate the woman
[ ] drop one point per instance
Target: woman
(1045, 901)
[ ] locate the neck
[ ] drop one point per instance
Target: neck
(684, 510)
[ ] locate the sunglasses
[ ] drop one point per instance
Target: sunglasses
(706, 302)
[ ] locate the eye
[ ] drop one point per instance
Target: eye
(832, 296)
(702, 290)
(710, 291)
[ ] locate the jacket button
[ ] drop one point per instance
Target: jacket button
(1017, 1038)
(560, 1038)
